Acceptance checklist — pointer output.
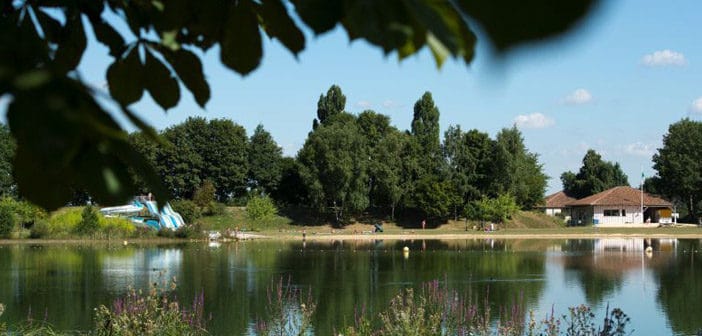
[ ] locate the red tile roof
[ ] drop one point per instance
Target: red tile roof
(558, 200)
(623, 195)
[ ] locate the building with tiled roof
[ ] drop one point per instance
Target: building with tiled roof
(620, 206)
(557, 203)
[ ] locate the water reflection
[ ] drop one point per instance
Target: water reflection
(67, 282)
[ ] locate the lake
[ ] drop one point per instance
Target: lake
(660, 291)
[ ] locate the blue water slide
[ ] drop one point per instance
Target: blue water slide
(167, 217)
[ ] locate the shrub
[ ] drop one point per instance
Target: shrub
(116, 226)
(64, 221)
(155, 313)
(188, 231)
(260, 209)
(7, 221)
(40, 229)
(187, 209)
(215, 209)
(204, 194)
(26, 214)
(497, 210)
(165, 233)
(89, 222)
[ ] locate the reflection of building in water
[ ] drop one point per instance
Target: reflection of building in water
(144, 265)
(634, 244)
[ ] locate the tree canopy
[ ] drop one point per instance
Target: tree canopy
(66, 139)
(594, 176)
(679, 165)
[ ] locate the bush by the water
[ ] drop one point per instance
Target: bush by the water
(261, 209)
(156, 312)
(89, 222)
(187, 209)
(7, 222)
(70, 221)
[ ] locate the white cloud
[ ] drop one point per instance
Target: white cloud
(578, 97)
(640, 149)
(391, 104)
(664, 58)
(534, 120)
(364, 104)
(696, 106)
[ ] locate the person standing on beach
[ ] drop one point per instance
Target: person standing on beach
(424, 224)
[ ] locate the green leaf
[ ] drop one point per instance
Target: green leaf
(72, 44)
(188, 67)
(125, 78)
(277, 23)
(320, 15)
(65, 140)
(447, 28)
(241, 40)
(162, 86)
(512, 22)
(438, 49)
(108, 36)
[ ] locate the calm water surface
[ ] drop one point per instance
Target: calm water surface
(660, 291)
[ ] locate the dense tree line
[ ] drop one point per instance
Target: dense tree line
(353, 163)
(348, 165)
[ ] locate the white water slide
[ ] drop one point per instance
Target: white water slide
(167, 217)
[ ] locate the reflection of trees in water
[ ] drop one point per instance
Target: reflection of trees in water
(680, 290)
(53, 282)
(595, 275)
(352, 275)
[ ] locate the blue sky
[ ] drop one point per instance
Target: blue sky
(613, 85)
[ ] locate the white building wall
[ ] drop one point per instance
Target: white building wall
(553, 211)
(632, 215)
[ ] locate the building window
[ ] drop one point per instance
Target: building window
(611, 213)
(623, 212)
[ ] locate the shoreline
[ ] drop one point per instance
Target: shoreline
(267, 236)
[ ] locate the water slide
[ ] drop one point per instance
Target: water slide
(167, 217)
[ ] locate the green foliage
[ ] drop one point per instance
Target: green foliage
(260, 209)
(497, 210)
(329, 106)
(425, 130)
(215, 209)
(187, 209)
(264, 161)
(333, 166)
(156, 312)
(433, 197)
(516, 170)
(204, 194)
(54, 114)
(26, 214)
(594, 176)
(114, 227)
(7, 221)
(678, 164)
(468, 156)
(7, 153)
(89, 222)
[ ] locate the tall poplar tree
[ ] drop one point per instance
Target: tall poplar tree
(425, 130)
(329, 105)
